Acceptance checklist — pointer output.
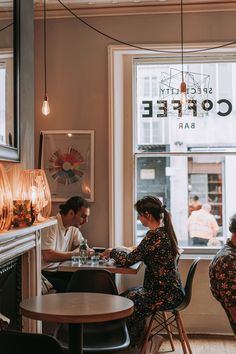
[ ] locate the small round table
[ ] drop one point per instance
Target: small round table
(76, 309)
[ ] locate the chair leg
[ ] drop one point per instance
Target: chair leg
(168, 329)
(185, 334)
(181, 335)
(148, 331)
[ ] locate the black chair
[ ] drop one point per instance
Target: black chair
(104, 337)
(170, 318)
(14, 342)
(92, 281)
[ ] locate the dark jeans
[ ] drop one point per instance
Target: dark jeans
(59, 280)
(198, 241)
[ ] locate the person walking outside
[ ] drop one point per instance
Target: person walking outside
(202, 226)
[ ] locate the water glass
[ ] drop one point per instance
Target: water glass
(95, 258)
(75, 260)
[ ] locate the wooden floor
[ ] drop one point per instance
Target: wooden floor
(200, 344)
(204, 345)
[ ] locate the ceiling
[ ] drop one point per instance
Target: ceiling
(130, 7)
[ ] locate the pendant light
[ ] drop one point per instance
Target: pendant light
(45, 107)
(183, 86)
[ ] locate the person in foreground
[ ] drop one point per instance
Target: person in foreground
(222, 272)
(162, 286)
(61, 241)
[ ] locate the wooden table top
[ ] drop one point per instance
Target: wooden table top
(69, 266)
(77, 307)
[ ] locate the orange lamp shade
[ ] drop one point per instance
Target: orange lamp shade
(6, 204)
(34, 187)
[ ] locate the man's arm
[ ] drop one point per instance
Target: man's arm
(54, 256)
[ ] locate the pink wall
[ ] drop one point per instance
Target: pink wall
(78, 80)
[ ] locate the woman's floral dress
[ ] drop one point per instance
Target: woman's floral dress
(162, 287)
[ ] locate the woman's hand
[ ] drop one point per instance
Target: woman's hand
(106, 253)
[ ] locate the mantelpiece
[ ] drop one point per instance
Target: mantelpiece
(26, 243)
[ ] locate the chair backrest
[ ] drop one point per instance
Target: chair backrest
(188, 285)
(92, 281)
(14, 342)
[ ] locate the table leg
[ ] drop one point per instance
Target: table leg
(76, 338)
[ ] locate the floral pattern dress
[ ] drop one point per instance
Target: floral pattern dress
(222, 272)
(162, 287)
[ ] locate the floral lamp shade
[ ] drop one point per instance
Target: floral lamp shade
(6, 203)
(34, 187)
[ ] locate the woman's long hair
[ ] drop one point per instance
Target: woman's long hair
(154, 206)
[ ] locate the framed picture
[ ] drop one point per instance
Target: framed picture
(67, 158)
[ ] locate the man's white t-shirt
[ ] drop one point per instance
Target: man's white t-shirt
(59, 239)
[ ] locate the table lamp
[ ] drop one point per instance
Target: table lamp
(6, 204)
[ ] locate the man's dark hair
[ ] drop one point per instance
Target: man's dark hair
(232, 224)
(196, 197)
(74, 203)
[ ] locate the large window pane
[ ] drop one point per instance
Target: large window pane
(177, 180)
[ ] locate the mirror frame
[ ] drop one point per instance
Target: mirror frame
(12, 153)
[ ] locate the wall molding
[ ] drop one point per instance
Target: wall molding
(132, 9)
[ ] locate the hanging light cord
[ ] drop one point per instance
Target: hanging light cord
(182, 39)
(136, 46)
(5, 27)
(45, 49)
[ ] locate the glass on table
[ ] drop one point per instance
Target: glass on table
(79, 260)
(75, 259)
(95, 258)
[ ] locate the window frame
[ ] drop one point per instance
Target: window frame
(122, 127)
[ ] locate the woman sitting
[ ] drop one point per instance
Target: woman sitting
(162, 287)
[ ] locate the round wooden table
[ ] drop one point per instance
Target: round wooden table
(76, 309)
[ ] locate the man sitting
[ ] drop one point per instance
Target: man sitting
(222, 271)
(61, 241)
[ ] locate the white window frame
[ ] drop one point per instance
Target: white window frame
(121, 138)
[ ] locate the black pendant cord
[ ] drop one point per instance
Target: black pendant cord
(137, 46)
(45, 49)
(5, 27)
(182, 39)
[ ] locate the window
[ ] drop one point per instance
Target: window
(177, 129)
(176, 152)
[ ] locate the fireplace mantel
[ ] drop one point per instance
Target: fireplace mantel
(18, 241)
(26, 242)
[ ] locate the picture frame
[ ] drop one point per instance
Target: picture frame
(67, 157)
